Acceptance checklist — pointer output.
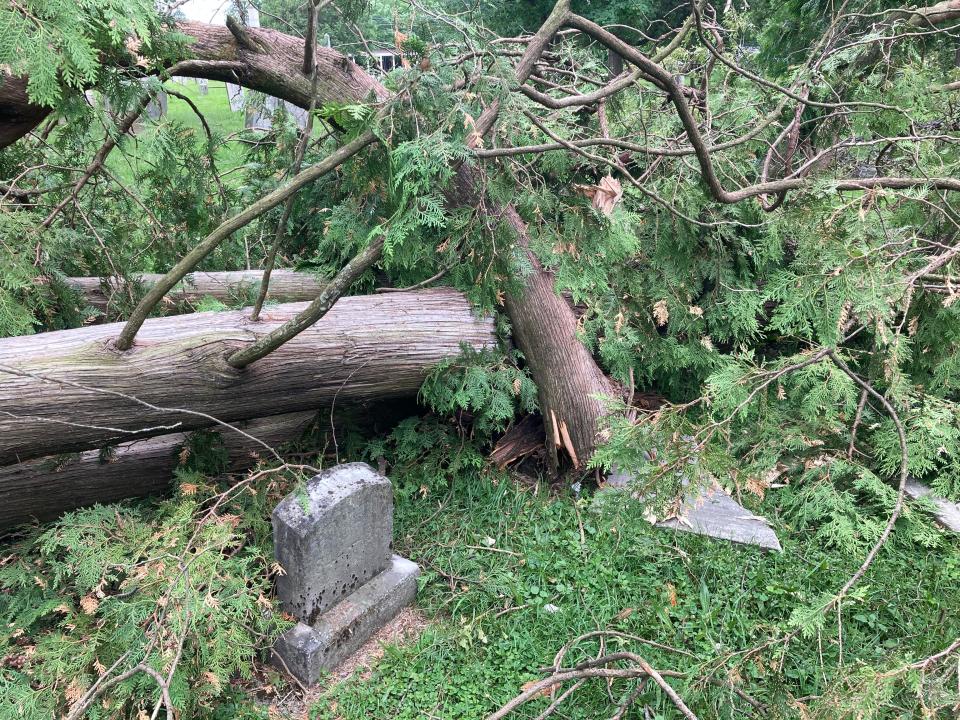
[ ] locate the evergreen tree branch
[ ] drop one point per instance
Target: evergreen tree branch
(99, 158)
(210, 149)
(316, 310)
(904, 475)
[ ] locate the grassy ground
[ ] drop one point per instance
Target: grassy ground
(215, 108)
(511, 573)
(509, 579)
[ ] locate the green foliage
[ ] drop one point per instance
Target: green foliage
(714, 310)
(427, 456)
(28, 300)
(486, 384)
(119, 583)
(847, 506)
(60, 44)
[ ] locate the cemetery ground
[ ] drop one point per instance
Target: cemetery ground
(512, 571)
(231, 142)
(765, 287)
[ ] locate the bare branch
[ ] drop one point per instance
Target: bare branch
(314, 311)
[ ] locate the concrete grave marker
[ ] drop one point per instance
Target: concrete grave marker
(712, 512)
(342, 582)
(946, 512)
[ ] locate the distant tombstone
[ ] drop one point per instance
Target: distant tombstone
(203, 87)
(157, 107)
(234, 97)
(297, 113)
(259, 115)
(341, 581)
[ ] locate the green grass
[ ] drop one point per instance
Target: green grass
(487, 548)
(511, 573)
(215, 108)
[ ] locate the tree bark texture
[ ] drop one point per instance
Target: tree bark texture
(570, 384)
(18, 115)
(69, 390)
(285, 286)
(274, 66)
(568, 377)
(42, 489)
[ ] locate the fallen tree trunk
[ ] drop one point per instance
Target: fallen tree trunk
(44, 488)
(285, 286)
(568, 377)
(70, 390)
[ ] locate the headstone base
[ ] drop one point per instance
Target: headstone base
(309, 650)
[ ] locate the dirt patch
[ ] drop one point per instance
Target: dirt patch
(405, 628)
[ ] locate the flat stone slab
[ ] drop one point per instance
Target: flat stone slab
(332, 537)
(947, 513)
(714, 513)
(309, 650)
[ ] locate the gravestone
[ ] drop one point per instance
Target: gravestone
(203, 86)
(234, 97)
(157, 108)
(946, 512)
(711, 511)
(341, 580)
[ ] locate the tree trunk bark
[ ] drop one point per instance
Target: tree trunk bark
(273, 66)
(68, 391)
(42, 489)
(568, 377)
(570, 384)
(285, 286)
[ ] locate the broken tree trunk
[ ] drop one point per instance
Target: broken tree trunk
(70, 390)
(571, 386)
(285, 286)
(42, 489)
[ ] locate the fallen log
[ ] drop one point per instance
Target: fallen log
(285, 286)
(70, 390)
(42, 489)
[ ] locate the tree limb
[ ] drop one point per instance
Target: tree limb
(314, 311)
(228, 227)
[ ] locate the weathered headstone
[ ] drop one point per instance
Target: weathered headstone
(299, 114)
(203, 86)
(341, 581)
(258, 113)
(157, 107)
(946, 512)
(714, 513)
(234, 97)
